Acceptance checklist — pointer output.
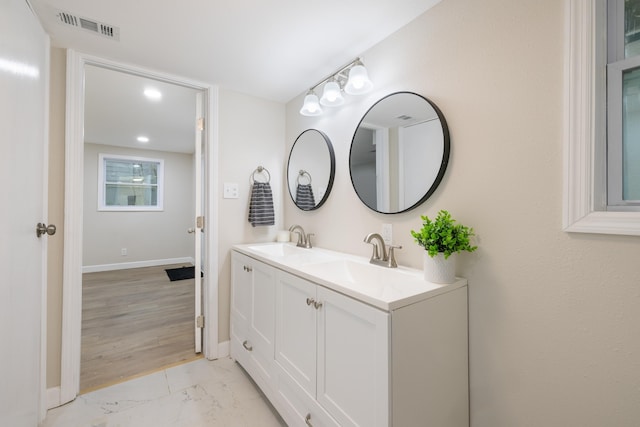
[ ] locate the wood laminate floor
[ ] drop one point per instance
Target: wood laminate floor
(134, 322)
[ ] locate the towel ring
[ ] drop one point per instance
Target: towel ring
(303, 174)
(260, 169)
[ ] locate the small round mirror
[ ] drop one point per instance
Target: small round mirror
(311, 169)
(399, 153)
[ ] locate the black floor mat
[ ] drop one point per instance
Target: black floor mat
(181, 273)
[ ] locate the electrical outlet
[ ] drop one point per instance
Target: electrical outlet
(123, 251)
(230, 190)
(387, 233)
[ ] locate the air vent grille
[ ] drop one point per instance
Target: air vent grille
(91, 25)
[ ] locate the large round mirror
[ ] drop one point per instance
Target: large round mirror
(399, 153)
(311, 169)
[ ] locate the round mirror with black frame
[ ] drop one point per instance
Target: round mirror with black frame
(311, 169)
(399, 153)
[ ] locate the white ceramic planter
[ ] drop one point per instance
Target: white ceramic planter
(438, 269)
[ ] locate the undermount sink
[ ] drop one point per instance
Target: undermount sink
(291, 254)
(276, 249)
(345, 270)
(373, 280)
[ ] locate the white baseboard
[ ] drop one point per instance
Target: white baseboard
(53, 397)
(136, 264)
(223, 349)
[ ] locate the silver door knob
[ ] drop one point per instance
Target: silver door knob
(191, 230)
(45, 229)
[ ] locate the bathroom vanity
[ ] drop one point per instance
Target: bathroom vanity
(335, 341)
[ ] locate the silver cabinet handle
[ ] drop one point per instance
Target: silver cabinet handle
(247, 269)
(307, 420)
(314, 303)
(45, 229)
(247, 346)
(191, 230)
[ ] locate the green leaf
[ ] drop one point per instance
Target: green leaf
(443, 235)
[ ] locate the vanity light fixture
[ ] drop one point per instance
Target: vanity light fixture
(352, 79)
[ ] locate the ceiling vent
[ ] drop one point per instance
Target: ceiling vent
(102, 29)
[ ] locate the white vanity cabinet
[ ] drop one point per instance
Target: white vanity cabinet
(328, 352)
(253, 316)
(335, 350)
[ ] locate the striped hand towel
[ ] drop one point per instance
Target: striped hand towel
(304, 197)
(261, 205)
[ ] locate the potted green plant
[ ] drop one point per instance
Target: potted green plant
(442, 238)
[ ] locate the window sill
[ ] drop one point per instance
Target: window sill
(621, 223)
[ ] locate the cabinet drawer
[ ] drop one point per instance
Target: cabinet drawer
(239, 334)
(300, 408)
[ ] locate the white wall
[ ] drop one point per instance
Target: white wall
(251, 133)
(553, 316)
(147, 236)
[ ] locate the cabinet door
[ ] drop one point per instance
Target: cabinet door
(262, 318)
(240, 305)
(253, 316)
(353, 360)
(296, 329)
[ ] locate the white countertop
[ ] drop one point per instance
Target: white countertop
(385, 288)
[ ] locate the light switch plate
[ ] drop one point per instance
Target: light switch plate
(230, 190)
(387, 233)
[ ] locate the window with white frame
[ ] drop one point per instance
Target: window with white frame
(602, 134)
(127, 183)
(623, 105)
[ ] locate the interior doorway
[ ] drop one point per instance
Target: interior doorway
(139, 176)
(205, 154)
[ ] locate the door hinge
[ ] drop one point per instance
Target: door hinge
(200, 222)
(200, 123)
(200, 321)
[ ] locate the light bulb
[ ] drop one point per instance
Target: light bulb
(153, 94)
(358, 82)
(311, 106)
(332, 96)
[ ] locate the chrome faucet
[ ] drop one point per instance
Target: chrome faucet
(380, 256)
(304, 240)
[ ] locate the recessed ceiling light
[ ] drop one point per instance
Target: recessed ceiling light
(143, 139)
(152, 94)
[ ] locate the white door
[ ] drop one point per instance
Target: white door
(199, 161)
(24, 70)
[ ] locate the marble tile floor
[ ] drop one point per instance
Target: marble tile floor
(201, 393)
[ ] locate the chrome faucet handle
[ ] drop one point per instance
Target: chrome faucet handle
(308, 241)
(391, 262)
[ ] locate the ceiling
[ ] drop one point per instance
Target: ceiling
(271, 49)
(117, 112)
(274, 50)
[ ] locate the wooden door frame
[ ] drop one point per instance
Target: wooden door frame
(73, 217)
